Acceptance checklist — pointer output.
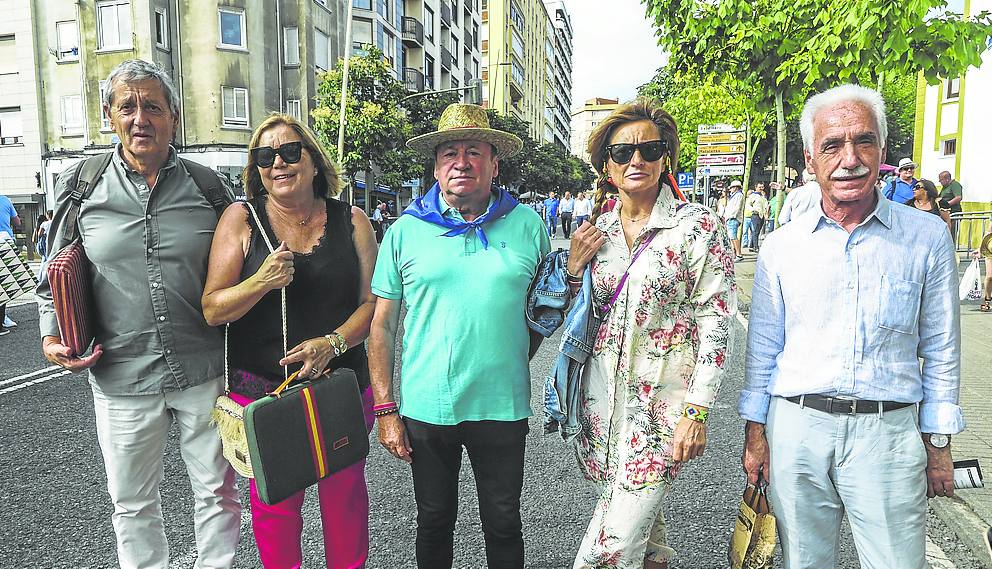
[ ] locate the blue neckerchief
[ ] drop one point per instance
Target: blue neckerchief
(428, 208)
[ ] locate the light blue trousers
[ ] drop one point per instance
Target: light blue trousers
(871, 467)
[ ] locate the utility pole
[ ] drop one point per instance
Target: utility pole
(344, 101)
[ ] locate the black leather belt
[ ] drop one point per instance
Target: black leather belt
(845, 406)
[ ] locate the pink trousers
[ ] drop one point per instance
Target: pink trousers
(344, 516)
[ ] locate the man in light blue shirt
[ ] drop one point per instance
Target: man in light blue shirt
(848, 299)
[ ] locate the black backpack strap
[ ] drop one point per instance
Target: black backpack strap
(209, 184)
(81, 186)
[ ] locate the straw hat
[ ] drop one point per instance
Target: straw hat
(465, 122)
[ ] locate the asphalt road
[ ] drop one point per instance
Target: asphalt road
(55, 510)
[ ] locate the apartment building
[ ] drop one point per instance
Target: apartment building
(442, 44)
(21, 137)
(558, 98)
(585, 119)
(232, 61)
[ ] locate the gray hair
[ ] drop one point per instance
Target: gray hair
(870, 98)
(136, 70)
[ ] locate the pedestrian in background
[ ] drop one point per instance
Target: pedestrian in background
(551, 213)
(733, 214)
(850, 406)
(460, 261)
(755, 207)
(951, 193)
(800, 200)
(565, 208)
(583, 209)
(664, 270)
(8, 221)
(985, 250)
(324, 261)
(900, 188)
(925, 199)
(155, 360)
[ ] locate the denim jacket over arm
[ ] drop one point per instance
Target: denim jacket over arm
(546, 305)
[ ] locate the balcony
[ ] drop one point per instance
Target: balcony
(413, 32)
(469, 42)
(413, 79)
(445, 14)
(446, 58)
(468, 77)
(467, 8)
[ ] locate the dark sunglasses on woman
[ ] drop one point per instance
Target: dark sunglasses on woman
(650, 151)
(265, 156)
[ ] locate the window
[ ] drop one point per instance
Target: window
(72, 115)
(67, 38)
(361, 33)
(104, 117)
(11, 129)
(388, 46)
(321, 47)
(953, 88)
(162, 28)
(363, 4)
(291, 45)
(950, 147)
(429, 71)
(475, 68)
(454, 12)
(518, 44)
(293, 109)
(516, 16)
(382, 7)
(113, 24)
(235, 103)
(232, 28)
(454, 50)
(429, 23)
(475, 35)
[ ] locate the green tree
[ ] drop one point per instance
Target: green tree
(375, 126)
(783, 49)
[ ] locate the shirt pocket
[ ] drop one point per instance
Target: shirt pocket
(899, 304)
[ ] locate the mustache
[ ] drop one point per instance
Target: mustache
(846, 173)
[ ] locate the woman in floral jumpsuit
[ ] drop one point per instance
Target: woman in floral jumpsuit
(660, 353)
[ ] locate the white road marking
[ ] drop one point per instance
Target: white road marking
(27, 375)
(35, 381)
(936, 556)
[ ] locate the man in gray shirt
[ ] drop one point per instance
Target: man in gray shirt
(147, 230)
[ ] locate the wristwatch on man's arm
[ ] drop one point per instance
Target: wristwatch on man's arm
(937, 440)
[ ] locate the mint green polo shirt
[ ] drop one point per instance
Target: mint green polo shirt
(465, 336)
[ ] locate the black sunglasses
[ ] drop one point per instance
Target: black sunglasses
(650, 151)
(265, 156)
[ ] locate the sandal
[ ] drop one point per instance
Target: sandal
(986, 305)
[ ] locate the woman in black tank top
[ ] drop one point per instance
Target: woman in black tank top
(925, 199)
(324, 260)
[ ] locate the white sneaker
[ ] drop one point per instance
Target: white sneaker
(8, 323)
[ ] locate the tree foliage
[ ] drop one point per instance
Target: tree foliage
(783, 49)
(381, 117)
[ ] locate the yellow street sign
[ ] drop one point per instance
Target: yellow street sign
(720, 149)
(720, 138)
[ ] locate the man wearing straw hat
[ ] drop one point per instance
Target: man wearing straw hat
(460, 259)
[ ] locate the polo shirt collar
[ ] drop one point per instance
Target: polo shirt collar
(452, 213)
(882, 212)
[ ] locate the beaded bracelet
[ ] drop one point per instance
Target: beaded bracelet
(338, 343)
(385, 412)
(695, 413)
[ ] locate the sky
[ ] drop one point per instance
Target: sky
(614, 49)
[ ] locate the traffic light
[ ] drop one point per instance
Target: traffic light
(475, 92)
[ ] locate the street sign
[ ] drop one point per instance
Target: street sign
(721, 138)
(720, 159)
(686, 180)
(736, 170)
(720, 149)
(707, 128)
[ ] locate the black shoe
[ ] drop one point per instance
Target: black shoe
(4, 331)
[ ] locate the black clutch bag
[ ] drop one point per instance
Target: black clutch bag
(304, 434)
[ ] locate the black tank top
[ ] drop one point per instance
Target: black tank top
(323, 295)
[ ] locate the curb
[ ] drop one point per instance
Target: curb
(965, 524)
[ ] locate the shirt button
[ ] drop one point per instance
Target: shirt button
(154, 285)
(161, 318)
(168, 352)
(150, 249)
(148, 217)
(141, 186)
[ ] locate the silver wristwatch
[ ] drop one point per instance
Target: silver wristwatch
(939, 441)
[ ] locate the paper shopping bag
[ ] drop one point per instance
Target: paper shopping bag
(752, 546)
